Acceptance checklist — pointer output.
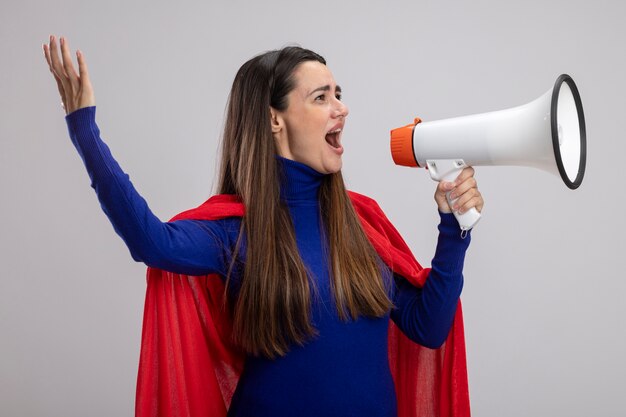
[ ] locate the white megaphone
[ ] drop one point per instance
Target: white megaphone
(547, 133)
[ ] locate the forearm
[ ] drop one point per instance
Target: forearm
(127, 211)
(165, 245)
(426, 314)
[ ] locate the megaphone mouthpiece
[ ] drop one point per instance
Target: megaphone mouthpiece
(402, 145)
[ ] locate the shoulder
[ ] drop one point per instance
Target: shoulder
(217, 207)
(362, 202)
(368, 210)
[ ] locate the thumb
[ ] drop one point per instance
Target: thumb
(444, 187)
(87, 96)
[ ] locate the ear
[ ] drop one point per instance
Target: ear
(276, 121)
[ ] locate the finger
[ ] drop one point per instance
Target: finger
(474, 202)
(443, 187)
(46, 51)
(58, 69)
(470, 199)
(46, 54)
(68, 66)
(461, 201)
(55, 61)
(440, 196)
(463, 187)
(466, 173)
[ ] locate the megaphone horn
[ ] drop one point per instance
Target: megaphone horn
(547, 133)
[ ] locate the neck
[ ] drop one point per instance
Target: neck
(299, 182)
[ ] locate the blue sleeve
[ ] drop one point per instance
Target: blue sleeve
(185, 246)
(425, 315)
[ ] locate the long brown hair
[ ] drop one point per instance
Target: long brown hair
(271, 306)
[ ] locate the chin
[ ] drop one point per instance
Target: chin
(338, 169)
(332, 167)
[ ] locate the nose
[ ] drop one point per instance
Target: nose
(341, 110)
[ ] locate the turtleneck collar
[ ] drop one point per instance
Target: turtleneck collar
(300, 182)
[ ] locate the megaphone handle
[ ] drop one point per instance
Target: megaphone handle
(449, 170)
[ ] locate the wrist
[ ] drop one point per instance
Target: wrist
(82, 111)
(81, 123)
(449, 226)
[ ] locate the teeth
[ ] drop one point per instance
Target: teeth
(334, 131)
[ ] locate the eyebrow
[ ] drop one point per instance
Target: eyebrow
(325, 88)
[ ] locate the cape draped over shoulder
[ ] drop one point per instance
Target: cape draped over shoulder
(188, 368)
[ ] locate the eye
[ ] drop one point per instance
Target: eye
(321, 97)
(338, 96)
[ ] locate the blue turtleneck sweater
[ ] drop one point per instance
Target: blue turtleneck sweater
(343, 371)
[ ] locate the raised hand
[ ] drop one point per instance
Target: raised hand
(75, 88)
(464, 188)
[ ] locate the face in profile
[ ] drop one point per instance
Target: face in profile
(309, 130)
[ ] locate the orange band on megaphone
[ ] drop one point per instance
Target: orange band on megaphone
(402, 145)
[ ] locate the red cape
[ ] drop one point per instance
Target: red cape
(188, 367)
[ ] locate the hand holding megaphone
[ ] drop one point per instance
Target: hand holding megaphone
(547, 133)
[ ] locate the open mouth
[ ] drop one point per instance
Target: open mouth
(332, 138)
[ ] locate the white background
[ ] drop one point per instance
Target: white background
(543, 296)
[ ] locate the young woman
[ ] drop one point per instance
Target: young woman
(307, 292)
